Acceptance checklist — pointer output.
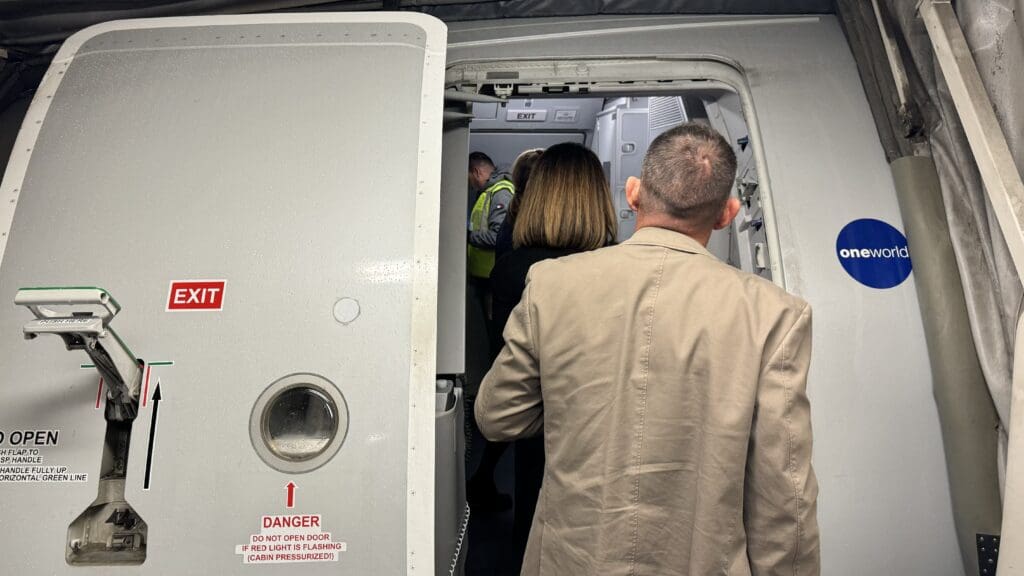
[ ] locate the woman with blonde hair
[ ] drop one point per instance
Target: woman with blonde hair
(568, 209)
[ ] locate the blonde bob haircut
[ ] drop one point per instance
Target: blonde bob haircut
(569, 204)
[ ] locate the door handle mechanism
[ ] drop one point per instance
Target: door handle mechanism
(109, 531)
(83, 322)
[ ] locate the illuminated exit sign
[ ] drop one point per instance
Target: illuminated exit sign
(526, 115)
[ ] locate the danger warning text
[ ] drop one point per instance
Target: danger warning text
(290, 538)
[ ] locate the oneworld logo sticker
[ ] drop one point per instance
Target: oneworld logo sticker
(874, 253)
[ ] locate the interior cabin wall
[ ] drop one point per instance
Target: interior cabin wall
(623, 137)
(503, 130)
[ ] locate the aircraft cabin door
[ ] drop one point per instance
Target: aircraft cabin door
(222, 235)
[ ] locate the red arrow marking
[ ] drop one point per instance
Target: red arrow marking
(145, 391)
(291, 495)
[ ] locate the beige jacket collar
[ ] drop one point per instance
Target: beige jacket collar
(651, 236)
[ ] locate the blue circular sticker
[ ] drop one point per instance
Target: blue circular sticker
(874, 253)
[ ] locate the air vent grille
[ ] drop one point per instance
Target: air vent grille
(664, 113)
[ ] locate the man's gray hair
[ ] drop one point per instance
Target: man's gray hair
(688, 173)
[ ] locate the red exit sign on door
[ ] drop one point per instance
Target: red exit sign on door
(196, 295)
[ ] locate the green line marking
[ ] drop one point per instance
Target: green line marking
(123, 345)
(49, 288)
(161, 363)
(38, 288)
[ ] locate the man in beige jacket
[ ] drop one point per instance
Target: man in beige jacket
(670, 389)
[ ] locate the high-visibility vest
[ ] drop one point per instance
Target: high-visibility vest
(481, 260)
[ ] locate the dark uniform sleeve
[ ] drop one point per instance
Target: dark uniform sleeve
(509, 405)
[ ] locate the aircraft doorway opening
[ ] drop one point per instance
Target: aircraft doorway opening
(618, 128)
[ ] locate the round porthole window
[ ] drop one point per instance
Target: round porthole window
(298, 423)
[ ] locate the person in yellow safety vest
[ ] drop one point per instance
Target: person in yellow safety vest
(489, 211)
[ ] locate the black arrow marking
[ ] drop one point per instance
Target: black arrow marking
(152, 436)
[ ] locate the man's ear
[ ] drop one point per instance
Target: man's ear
(633, 192)
(474, 175)
(732, 207)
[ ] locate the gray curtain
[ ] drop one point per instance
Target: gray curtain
(993, 291)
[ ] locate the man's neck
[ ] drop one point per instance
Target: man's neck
(674, 224)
